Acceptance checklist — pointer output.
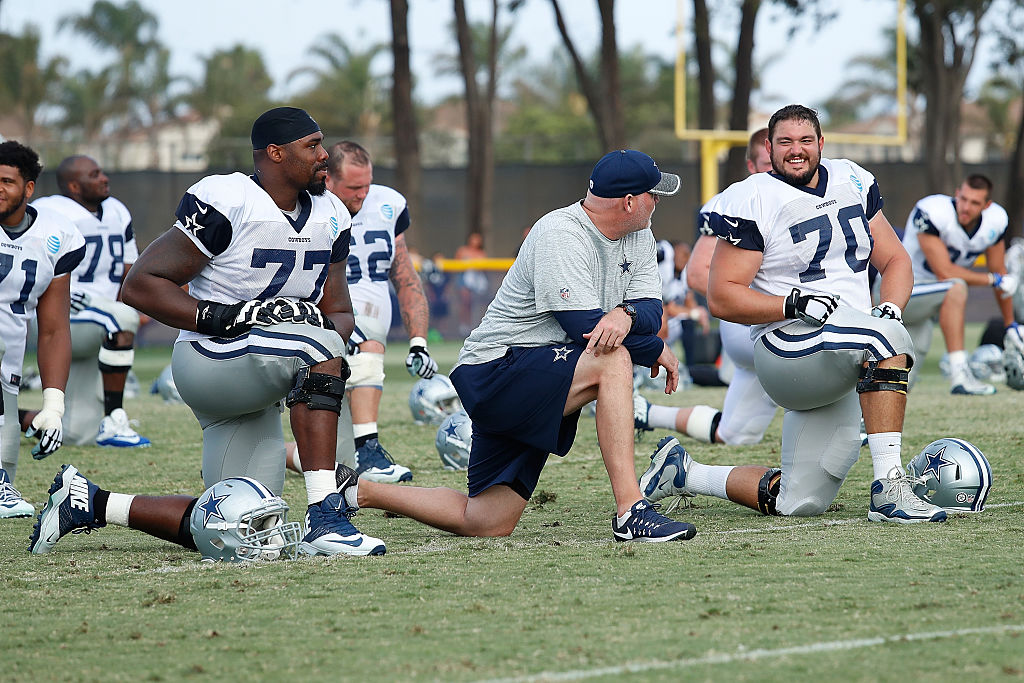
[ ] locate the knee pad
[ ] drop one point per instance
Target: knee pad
(768, 491)
(874, 378)
(318, 390)
(114, 358)
(367, 370)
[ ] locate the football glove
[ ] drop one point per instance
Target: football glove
(79, 301)
(305, 312)
(418, 362)
(46, 424)
(1006, 284)
(1014, 338)
(888, 309)
(355, 340)
(813, 309)
(231, 320)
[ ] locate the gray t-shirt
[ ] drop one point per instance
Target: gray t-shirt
(565, 264)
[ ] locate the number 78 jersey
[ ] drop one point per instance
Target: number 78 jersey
(815, 240)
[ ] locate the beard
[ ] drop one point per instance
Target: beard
(798, 178)
(316, 187)
(15, 205)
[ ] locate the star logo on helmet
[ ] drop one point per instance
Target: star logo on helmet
(211, 507)
(625, 265)
(562, 353)
(451, 429)
(936, 461)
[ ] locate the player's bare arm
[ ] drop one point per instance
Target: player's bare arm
(609, 332)
(729, 294)
(153, 285)
(995, 259)
(699, 265)
(937, 255)
(411, 300)
(336, 303)
(892, 261)
(53, 312)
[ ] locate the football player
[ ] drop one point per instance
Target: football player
(579, 307)
(944, 236)
(102, 328)
(265, 318)
(792, 262)
(38, 250)
(378, 253)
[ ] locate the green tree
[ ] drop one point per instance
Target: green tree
(346, 98)
(85, 103)
(25, 83)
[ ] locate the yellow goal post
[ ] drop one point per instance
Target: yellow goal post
(713, 143)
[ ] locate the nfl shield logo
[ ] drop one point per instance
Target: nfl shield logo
(564, 293)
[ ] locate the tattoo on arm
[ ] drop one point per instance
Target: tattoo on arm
(411, 299)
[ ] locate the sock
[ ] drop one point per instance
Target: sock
(319, 485)
(363, 432)
(112, 400)
(957, 360)
(885, 452)
(708, 480)
(662, 417)
(118, 506)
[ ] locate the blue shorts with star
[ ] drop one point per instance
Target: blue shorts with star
(516, 405)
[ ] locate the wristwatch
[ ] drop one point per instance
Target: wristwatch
(630, 310)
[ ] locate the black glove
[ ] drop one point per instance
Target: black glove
(231, 320)
(305, 312)
(418, 362)
(813, 309)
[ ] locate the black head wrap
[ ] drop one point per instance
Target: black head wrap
(282, 125)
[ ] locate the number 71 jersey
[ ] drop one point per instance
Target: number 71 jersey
(47, 249)
(816, 240)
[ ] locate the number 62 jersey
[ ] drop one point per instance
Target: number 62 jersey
(50, 247)
(816, 240)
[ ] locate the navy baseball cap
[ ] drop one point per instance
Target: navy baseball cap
(628, 171)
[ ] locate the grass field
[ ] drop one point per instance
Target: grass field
(750, 598)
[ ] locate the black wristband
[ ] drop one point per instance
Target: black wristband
(790, 308)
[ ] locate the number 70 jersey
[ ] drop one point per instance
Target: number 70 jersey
(815, 240)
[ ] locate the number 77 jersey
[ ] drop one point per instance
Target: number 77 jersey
(257, 251)
(816, 240)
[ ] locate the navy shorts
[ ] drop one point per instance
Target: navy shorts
(516, 404)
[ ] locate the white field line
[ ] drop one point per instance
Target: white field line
(744, 655)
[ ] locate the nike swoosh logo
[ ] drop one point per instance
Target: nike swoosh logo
(734, 223)
(355, 544)
(201, 208)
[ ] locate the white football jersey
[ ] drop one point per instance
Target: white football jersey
(109, 243)
(815, 240)
(50, 247)
(255, 250)
(672, 288)
(936, 215)
(383, 216)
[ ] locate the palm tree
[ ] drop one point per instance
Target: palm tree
(25, 84)
(235, 81)
(346, 98)
(86, 103)
(129, 32)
